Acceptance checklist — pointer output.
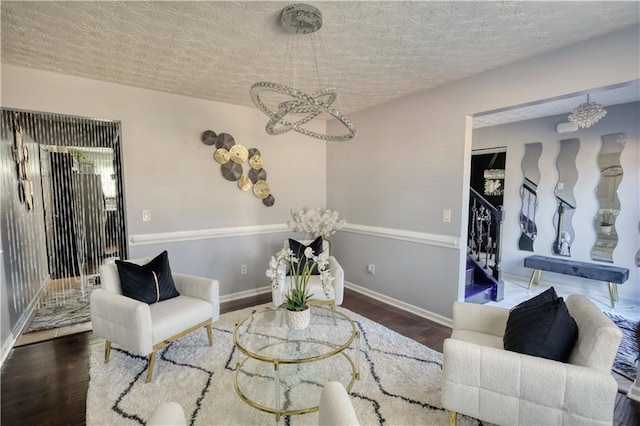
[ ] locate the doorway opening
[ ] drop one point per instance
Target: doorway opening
(76, 190)
(483, 275)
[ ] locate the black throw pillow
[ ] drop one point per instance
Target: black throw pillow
(150, 283)
(299, 248)
(543, 327)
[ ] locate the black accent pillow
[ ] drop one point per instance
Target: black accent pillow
(543, 327)
(150, 283)
(299, 248)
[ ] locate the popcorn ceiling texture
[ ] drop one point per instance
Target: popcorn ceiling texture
(370, 52)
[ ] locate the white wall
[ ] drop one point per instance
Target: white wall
(619, 119)
(170, 172)
(411, 161)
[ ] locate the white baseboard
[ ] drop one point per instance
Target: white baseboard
(22, 322)
(246, 293)
(374, 295)
(6, 348)
(447, 322)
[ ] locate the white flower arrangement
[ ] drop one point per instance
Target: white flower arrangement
(316, 222)
(608, 216)
(297, 297)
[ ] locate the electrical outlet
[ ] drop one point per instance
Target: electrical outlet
(243, 269)
(371, 268)
(146, 215)
(446, 216)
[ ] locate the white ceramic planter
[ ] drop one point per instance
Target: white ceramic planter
(299, 320)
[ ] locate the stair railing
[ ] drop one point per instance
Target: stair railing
(485, 237)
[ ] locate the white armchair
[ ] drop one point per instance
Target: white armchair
(335, 407)
(142, 328)
(484, 381)
(335, 294)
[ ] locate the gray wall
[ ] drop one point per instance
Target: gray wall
(411, 161)
(619, 119)
(169, 171)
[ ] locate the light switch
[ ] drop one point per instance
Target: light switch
(146, 215)
(446, 216)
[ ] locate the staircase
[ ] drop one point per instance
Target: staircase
(480, 287)
(483, 275)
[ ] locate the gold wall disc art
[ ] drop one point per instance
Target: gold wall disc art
(209, 137)
(261, 189)
(225, 140)
(256, 162)
(228, 153)
(244, 183)
(221, 156)
(238, 154)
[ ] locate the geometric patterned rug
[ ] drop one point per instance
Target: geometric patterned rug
(399, 383)
(627, 356)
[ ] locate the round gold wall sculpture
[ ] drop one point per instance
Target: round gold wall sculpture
(231, 155)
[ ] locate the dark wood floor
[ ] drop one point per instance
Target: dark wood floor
(46, 383)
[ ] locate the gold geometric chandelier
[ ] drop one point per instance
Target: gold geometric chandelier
(289, 108)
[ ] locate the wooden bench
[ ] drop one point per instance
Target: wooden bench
(613, 275)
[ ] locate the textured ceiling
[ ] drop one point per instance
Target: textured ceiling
(371, 52)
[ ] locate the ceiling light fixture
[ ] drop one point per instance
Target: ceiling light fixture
(587, 114)
(289, 108)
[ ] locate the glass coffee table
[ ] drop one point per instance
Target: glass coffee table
(285, 370)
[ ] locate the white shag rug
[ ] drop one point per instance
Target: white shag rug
(399, 385)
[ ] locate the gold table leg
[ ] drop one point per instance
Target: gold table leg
(613, 293)
(107, 351)
(452, 418)
(533, 277)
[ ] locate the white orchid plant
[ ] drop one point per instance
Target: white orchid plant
(608, 216)
(297, 298)
(316, 222)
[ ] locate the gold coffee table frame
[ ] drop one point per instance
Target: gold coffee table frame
(331, 351)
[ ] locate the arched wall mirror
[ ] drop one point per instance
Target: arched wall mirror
(566, 202)
(607, 194)
(529, 195)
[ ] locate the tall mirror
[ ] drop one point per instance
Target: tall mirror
(607, 193)
(566, 202)
(529, 195)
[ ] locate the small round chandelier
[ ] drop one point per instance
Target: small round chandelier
(587, 114)
(289, 108)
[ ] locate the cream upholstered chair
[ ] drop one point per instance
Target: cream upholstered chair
(335, 294)
(167, 414)
(142, 328)
(335, 406)
(484, 381)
